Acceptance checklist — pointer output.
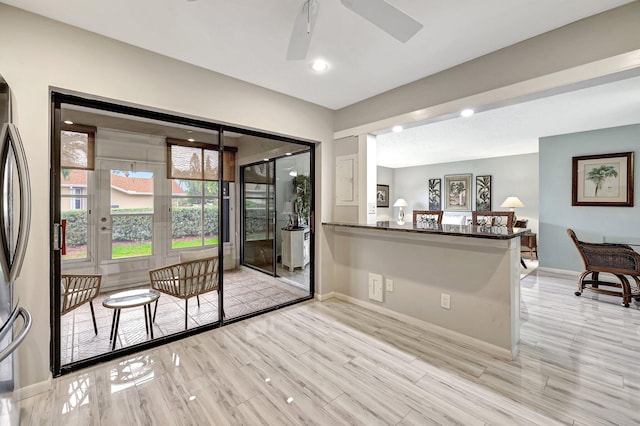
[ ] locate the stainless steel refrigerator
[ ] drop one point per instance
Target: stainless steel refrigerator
(15, 217)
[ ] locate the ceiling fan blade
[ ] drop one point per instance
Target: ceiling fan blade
(386, 17)
(302, 30)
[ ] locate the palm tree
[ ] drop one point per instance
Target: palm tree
(599, 174)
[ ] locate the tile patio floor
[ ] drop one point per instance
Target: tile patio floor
(245, 291)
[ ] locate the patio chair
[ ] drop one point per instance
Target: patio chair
(619, 260)
(78, 290)
(186, 279)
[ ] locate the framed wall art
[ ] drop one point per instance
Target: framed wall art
(435, 194)
(603, 180)
(483, 193)
(457, 192)
(382, 196)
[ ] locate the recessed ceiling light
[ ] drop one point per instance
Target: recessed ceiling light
(266, 159)
(320, 65)
(288, 153)
(191, 140)
(68, 122)
(467, 112)
(396, 129)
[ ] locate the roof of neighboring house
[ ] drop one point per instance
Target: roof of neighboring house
(76, 178)
(130, 185)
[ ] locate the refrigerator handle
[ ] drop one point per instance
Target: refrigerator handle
(19, 337)
(10, 141)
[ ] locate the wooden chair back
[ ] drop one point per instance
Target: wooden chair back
(427, 216)
(493, 218)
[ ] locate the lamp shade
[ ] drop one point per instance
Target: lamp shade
(512, 202)
(400, 202)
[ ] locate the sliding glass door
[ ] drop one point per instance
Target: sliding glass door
(259, 216)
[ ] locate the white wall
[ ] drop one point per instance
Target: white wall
(555, 248)
(513, 175)
(39, 53)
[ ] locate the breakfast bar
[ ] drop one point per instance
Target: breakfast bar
(464, 280)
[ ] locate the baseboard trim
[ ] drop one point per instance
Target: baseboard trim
(323, 297)
(493, 350)
(559, 271)
(33, 390)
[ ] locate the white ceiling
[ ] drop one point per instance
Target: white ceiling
(248, 39)
(514, 129)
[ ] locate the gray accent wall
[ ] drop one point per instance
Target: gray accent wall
(512, 175)
(590, 223)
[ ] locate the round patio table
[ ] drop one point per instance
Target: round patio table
(130, 299)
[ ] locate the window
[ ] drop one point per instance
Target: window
(77, 149)
(194, 192)
(78, 203)
(132, 201)
(76, 159)
(74, 212)
(194, 213)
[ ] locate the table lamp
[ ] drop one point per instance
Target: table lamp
(401, 202)
(512, 202)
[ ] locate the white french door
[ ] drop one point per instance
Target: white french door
(129, 217)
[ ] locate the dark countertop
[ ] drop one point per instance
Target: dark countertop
(492, 232)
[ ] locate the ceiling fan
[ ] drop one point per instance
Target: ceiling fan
(380, 13)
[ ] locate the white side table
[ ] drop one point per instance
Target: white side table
(130, 299)
(295, 247)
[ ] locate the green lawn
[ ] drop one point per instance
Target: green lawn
(120, 250)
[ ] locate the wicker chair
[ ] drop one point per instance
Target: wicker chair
(427, 217)
(496, 218)
(78, 290)
(619, 260)
(186, 280)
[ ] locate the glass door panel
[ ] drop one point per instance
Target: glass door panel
(259, 216)
(131, 211)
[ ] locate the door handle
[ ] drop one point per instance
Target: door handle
(104, 228)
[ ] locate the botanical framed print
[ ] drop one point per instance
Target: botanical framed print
(382, 196)
(483, 193)
(457, 192)
(435, 194)
(603, 180)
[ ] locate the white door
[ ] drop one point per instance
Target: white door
(129, 216)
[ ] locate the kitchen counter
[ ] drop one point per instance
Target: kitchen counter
(462, 279)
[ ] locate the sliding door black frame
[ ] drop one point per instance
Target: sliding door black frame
(58, 98)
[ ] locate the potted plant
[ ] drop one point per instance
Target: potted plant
(302, 202)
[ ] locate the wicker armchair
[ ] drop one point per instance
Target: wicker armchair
(186, 280)
(427, 217)
(78, 290)
(619, 260)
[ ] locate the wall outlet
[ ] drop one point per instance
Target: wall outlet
(389, 284)
(445, 301)
(375, 287)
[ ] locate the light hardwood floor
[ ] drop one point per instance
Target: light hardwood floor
(343, 364)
